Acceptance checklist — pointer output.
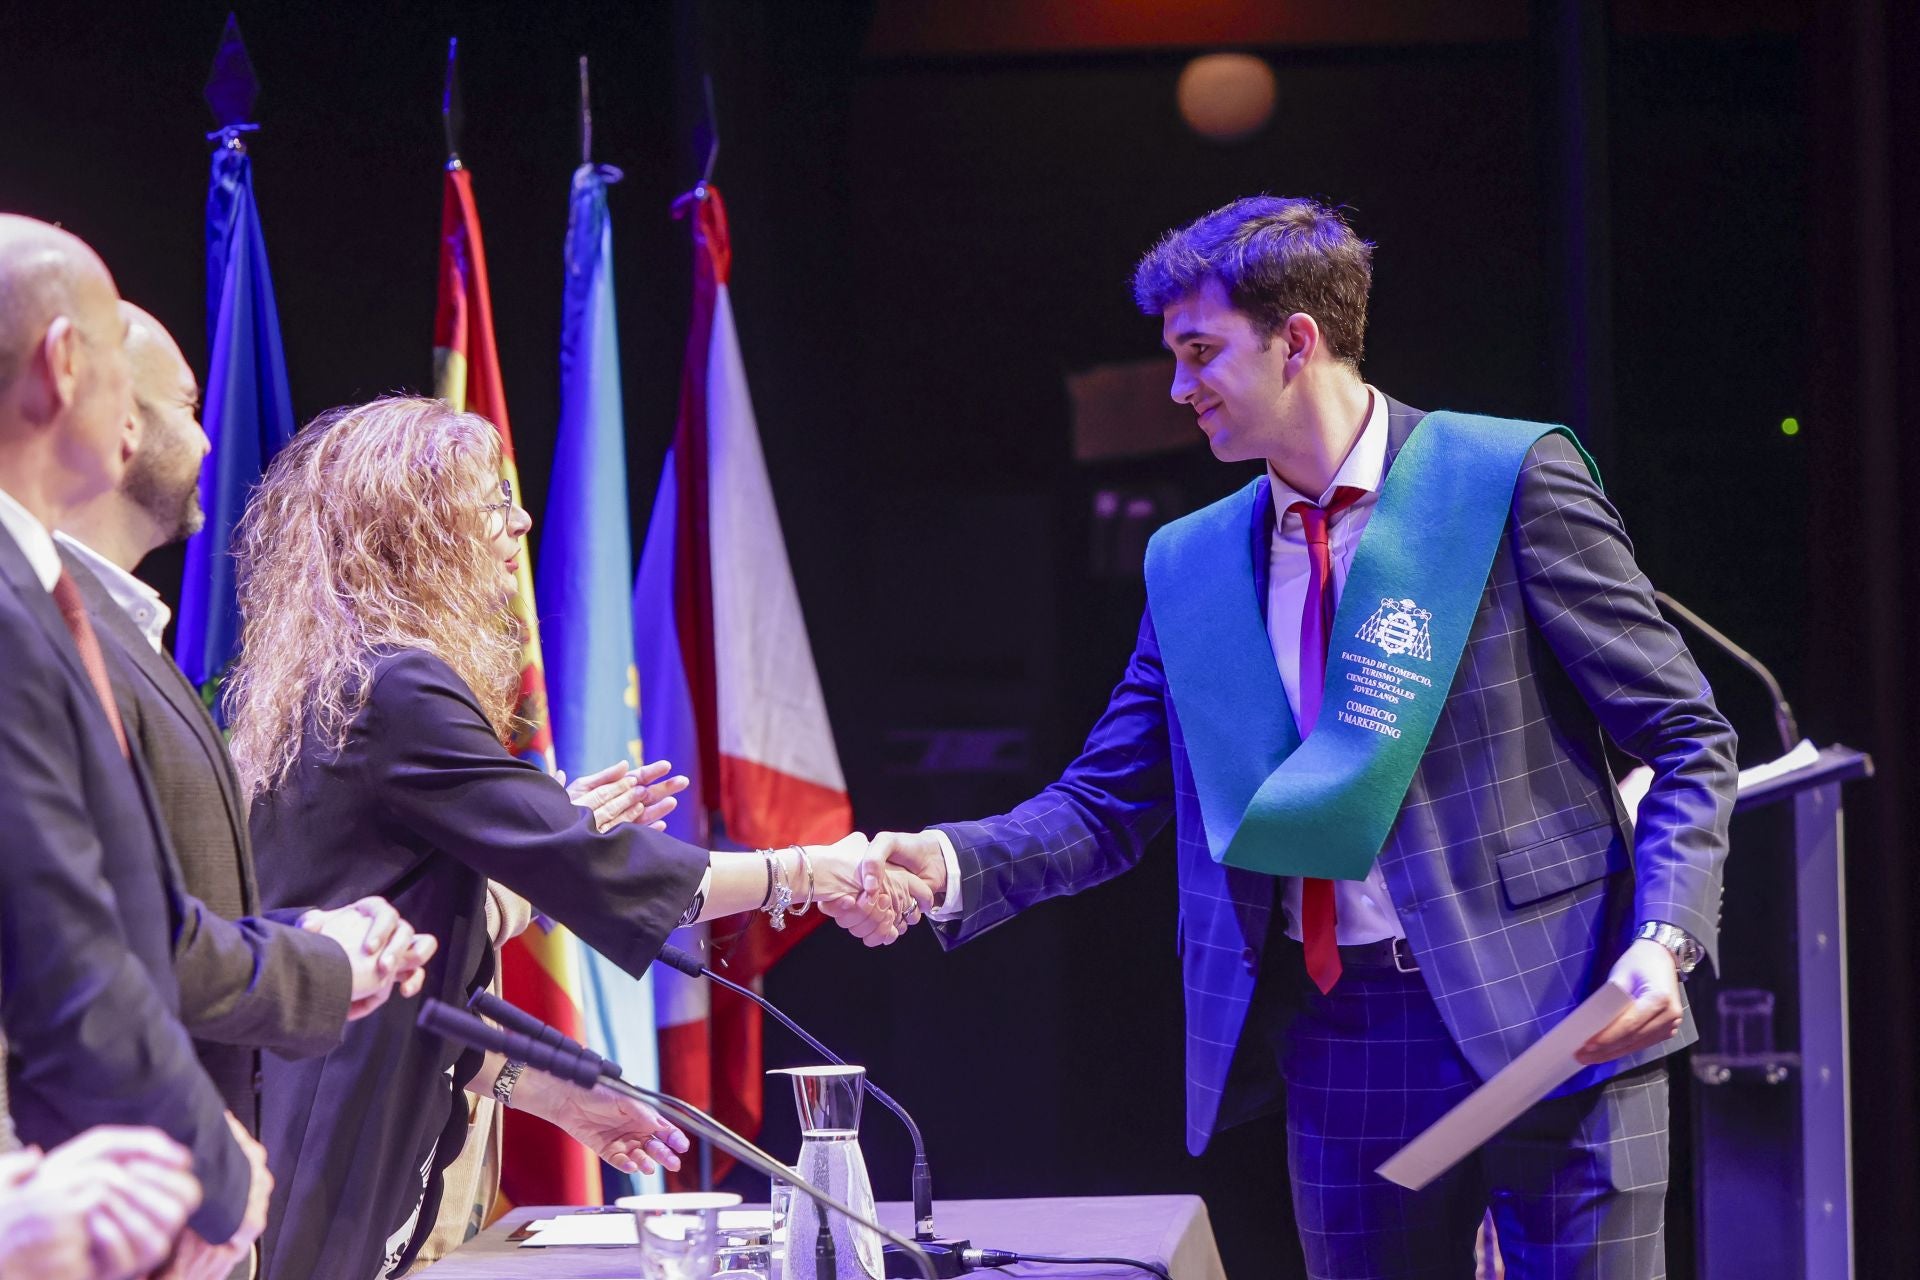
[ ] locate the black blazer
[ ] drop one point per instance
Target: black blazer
(423, 805)
(89, 906)
(246, 982)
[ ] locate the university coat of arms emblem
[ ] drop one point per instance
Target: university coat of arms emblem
(1399, 627)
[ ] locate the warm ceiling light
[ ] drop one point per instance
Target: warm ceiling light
(1225, 97)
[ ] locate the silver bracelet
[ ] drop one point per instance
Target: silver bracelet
(807, 862)
(782, 896)
(503, 1083)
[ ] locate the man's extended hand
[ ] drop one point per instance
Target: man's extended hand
(616, 794)
(919, 856)
(853, 890)
(1648, 974)
(382, 948)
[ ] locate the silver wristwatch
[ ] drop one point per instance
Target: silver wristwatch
(1686, 952)
(503, 1083)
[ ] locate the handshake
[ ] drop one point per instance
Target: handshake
(878, 888)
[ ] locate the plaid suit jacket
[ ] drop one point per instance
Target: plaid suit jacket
(1513, 870)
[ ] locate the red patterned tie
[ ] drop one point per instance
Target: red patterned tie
(1319, 929)
(74, 610)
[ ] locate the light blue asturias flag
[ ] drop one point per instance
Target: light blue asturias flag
(586, 568)
(248, 411)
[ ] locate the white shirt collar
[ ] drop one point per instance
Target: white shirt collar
(35, 542)
(136, 599)
(1364, 467)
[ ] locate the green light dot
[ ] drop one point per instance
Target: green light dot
(1789, 426)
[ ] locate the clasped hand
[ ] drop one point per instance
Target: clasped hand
(382, 949)
(105, 1205)
(878, 889)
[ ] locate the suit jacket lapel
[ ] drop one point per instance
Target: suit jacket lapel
(1400, 424)
(165, 679)
(39, 604)
(14, 567)
(1262, 543)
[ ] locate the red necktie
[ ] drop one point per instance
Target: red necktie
(74, 610)
(1319, 928)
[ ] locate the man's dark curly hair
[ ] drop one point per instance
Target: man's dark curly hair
(1274, 256)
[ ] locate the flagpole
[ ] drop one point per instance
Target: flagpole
(451, 115)
(713, 134)
(586, 117)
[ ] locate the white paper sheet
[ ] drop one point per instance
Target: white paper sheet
(1633, 787)
(1798, 758)
(619, 1228)
(1544, 1066)
(582, 1228)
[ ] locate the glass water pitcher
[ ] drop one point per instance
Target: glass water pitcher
(828, 1099)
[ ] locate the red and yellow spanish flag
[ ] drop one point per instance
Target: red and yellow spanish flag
(540, 969)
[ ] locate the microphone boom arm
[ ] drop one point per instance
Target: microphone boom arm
(1782, 713)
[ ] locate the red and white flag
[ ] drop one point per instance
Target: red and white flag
(729, 691)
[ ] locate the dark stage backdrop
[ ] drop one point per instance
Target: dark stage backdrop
(926, 243)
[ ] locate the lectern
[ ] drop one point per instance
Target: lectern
(1771, 1113)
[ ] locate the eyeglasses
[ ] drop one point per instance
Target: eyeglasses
(504, 507)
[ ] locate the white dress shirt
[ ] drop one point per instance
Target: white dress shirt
(36, 544)
(136, 599)
(1362, 908)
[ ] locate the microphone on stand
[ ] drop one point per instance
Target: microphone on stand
(567, 1060)
(945, 1253)
(514, 1018)
(1782, 713)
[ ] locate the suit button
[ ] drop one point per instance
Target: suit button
(259, 1082)
(1251, 960)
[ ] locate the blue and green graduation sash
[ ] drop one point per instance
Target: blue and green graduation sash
(1270, 802)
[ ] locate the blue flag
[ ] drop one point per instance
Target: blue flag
(248, 410)
(586, 566)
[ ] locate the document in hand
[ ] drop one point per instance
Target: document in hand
(1547, 1064)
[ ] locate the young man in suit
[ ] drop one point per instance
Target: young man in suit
(87, 908)
(248, 981)
(1401, 859)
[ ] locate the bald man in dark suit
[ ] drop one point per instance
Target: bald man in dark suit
(89, 1000)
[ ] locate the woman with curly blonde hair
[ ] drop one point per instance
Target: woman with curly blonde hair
(376, 684)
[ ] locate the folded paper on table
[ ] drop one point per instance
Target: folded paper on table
(582, 1228)
(1544, 1066)
(602, 1227)
(1800, 757)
